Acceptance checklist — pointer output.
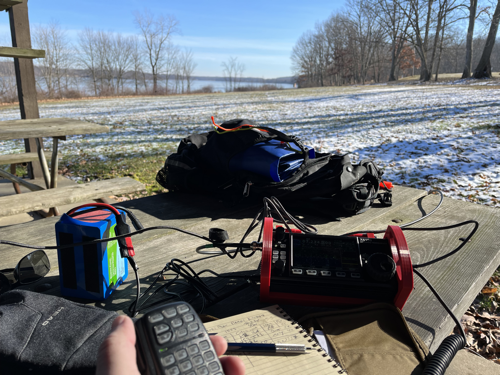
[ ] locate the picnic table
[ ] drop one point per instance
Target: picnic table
(57, 129)
(458, 279)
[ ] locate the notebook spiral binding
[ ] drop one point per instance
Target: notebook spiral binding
(315, 344)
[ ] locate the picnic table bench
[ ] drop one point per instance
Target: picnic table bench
(56, 128)
(458, 278)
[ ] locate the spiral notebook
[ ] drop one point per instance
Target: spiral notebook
(273, 325)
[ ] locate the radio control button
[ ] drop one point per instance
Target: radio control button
(182, 332)
(276, 257)
(312, 272)
(355, 275)
(283, 253)
(326, 273)
(161, 328)
(168, 360)
(276, 252)
(169, 313)
(155, 318)
(188, 318)
(296, 271)
(340, 274)
(204, 345)
(283, 246)
(176, 323)
(182, 309)
(162, 339)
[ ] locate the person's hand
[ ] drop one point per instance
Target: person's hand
(117, 355)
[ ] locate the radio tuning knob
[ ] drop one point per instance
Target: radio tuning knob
(279, 267)
(380, 267)
(279, 234)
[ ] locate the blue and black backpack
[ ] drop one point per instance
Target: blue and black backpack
(241, 160)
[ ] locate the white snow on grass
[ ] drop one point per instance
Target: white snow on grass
(427, 137)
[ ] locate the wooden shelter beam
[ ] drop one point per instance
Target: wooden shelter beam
(25, 76)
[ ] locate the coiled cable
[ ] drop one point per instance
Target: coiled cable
(443, 356)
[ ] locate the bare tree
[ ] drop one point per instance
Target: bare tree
(8, 88)
(120, 58)
(57, 61)
(395, 23)
(188, 66)
(156, 31)
(365, 33)
(232, 71)
(171, 56)
(178, 77)
(88, 55)
(303, 58)
(137, 61)
(483, 68)
(470, 35)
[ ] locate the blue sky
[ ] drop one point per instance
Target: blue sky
(261, 34)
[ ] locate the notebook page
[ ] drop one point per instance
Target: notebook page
(269, 325)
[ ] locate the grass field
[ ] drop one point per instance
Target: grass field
(440, 136)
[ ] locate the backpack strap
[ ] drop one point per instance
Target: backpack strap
(289, 139)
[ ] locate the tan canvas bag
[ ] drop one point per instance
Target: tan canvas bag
(371, 340)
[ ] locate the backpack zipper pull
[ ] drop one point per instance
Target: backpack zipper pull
(246, 189)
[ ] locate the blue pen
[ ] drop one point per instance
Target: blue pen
(267, 348)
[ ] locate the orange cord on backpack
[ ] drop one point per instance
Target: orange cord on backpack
(238, 128)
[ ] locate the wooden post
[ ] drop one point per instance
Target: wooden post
(54, 171)
(17, 188)
(25, 76)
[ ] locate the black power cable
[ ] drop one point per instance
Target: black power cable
(445, 353)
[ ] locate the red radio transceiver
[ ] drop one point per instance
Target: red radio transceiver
(320, 270)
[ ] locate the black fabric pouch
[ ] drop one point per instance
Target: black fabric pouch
(42, 334)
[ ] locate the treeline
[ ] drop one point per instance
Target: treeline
(104, 63)
(383, 40)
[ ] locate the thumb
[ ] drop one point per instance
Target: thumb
(117, 354)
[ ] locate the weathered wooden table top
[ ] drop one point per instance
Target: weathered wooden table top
(458, 278)
(47, 127)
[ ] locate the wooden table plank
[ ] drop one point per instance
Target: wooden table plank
(47, 127)
(458, 279)
(45, 199)
(23, 157)
(6, 4)
(26, 53)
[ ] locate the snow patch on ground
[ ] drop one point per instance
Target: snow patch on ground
(444, 137)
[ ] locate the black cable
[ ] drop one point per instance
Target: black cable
(448, 310)
(99, 240)
(444, 354)
(407, 224)
(135, 268)
(464, 242)
(446, 351)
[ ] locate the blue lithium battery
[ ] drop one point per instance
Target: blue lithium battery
(272, 159)
(90, 271)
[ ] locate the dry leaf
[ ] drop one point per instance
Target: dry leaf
(488, 290)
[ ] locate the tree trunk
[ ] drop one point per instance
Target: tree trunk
(155, 83)
(440, 15)
(393, 62)
(483, 69)
(440, 49)
(136, 85)
(470, 34)
(425, 70)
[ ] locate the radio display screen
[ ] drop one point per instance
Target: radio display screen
(325, 252)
